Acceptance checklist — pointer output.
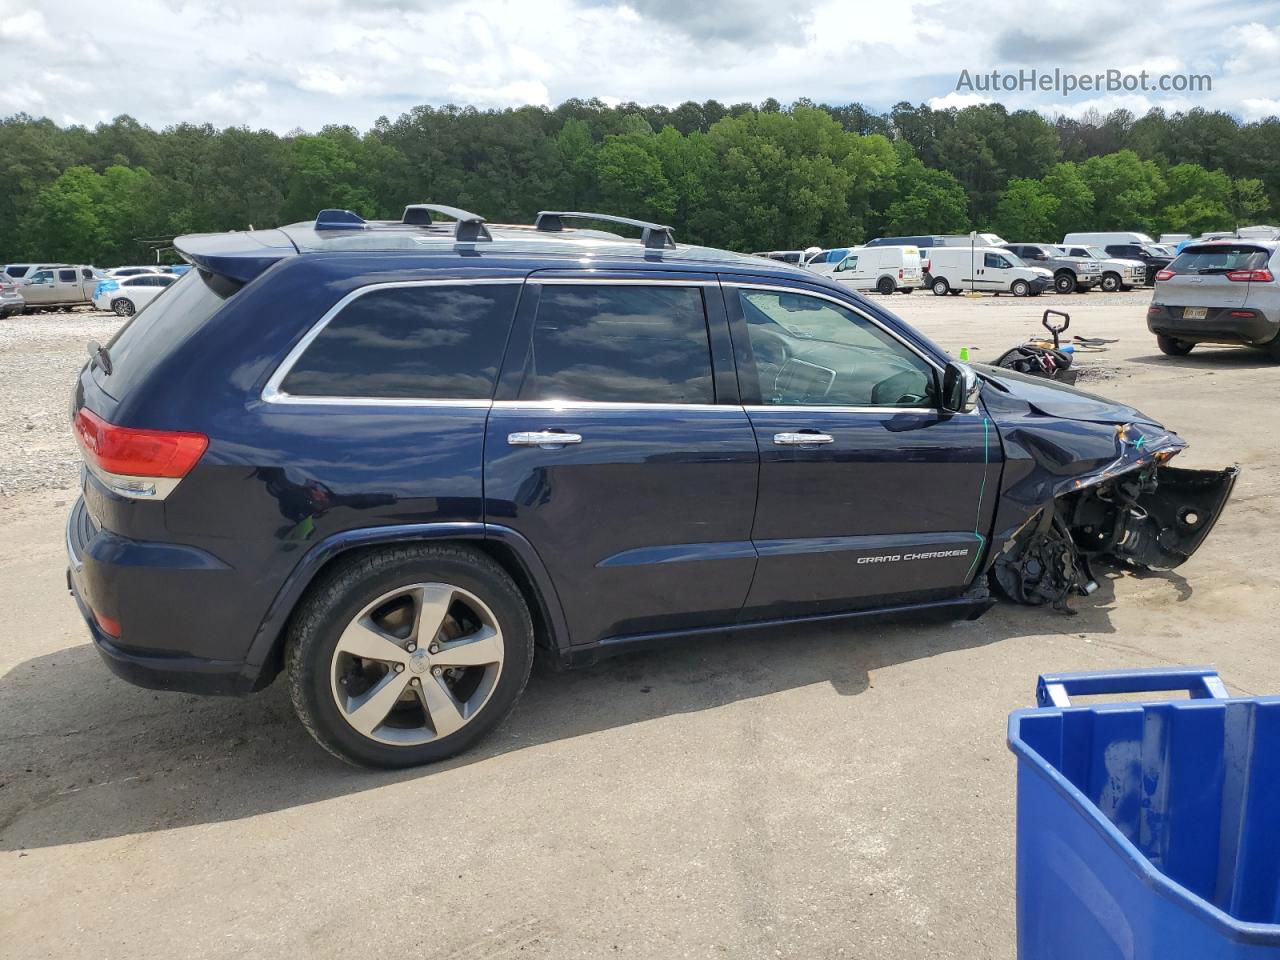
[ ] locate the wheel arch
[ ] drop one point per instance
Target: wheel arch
(506, 547)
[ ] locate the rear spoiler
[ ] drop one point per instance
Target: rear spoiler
(240, 256)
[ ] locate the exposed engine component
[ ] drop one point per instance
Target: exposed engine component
(1153, 518)
(1045, 566)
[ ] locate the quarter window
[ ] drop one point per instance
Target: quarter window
(809, 351)
(425, 342)
(619, 344)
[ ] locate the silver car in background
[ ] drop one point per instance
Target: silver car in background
(1117, 273)
(1223, 291)
(11, 301)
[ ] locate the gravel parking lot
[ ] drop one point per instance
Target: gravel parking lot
(816, 792)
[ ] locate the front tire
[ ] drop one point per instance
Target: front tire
(1020, 288)
(940, 287)
(886, 286)
(408, 655)
(1172, 347)
(1065, 282)
(1111, 282)
(122, 307)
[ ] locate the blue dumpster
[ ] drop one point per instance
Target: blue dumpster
(1148, 830)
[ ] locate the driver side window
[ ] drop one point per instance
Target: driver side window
(847, 264)
(995, 260)
(809, 351)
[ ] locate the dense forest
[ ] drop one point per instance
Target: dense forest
(748, 177)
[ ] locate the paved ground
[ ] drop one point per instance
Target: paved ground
(815, 793)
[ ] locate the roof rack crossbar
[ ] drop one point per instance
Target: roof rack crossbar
(655, 236)
(470, 226)
(339, 220)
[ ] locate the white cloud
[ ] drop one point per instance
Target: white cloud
(1255, 46)
(957, 99)
(1260, 109)
(305, 63)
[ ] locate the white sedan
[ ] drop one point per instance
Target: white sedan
(127, 295)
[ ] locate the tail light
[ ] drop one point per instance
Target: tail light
(109, 625)
(1251, 276)
(899, 273)
(1164, 275)
(143, 464)
(1243, 314)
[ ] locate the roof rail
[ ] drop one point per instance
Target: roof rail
(655, 236)
(470, 226)
(339, 220)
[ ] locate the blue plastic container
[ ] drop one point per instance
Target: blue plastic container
(1148, 830)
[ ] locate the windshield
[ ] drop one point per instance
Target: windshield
(1153, 250)
(1221, 259)
(1013, 258)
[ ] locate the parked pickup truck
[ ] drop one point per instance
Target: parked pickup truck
(58, 287)
(1069, 273)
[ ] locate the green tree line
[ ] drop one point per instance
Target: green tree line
(746, 177)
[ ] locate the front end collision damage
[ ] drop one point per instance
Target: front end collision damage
(1089, 481)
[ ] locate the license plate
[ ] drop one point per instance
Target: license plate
(1194, 313)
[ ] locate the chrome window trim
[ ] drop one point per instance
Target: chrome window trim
(272, 393)
(620, 281)
(607, 405)
(818, 408)
(805, 292)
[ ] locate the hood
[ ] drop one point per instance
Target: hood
(1058, 400)
(1041, 271)
(1124, 262)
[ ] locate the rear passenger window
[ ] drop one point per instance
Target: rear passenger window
(619, 344)
(67, 276)
(422, 342)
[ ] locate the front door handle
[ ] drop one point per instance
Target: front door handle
(542, 438)
(801, 439)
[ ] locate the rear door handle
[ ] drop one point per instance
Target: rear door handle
(801, 439)
(542, 438)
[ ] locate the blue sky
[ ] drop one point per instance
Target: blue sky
(286, 64)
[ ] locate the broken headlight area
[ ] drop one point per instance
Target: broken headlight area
(1153, 518)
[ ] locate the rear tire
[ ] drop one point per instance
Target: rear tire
(1172, 347)
(1065, 282)
(429, 710)
(886, 286)
(940, 287)
(1273, 349)
(122, 307)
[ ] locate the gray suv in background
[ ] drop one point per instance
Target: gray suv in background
(1117, 272)
(1223, 291)
(1070, 274)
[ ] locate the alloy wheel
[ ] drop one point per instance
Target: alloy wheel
(417, 664)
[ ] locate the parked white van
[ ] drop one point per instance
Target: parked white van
(1105, 239)
(884, 269)
(989, 269)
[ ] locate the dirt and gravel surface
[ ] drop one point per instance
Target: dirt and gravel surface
(815, 792)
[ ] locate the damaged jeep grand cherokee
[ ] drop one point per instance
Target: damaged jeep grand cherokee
(389, 459)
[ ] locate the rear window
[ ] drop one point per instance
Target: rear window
(620, 344)
(161, 325)
(422, 342)
(17, 271)
(1221, 258)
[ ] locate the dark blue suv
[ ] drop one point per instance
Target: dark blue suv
(391, 458)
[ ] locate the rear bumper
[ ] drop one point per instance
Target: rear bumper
(1218, 326)
(105, 572)
(13, 304)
